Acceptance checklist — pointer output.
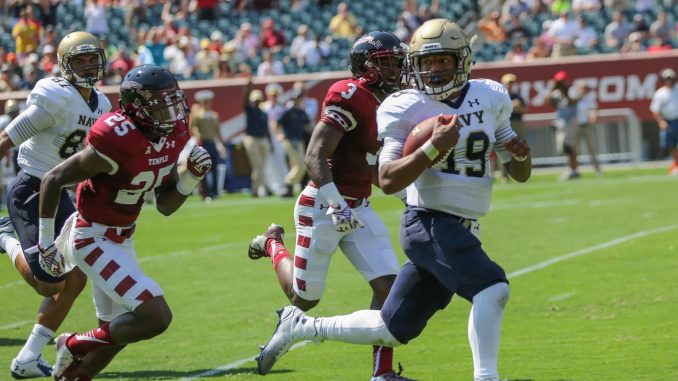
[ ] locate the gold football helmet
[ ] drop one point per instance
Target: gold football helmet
(434, 37)
(73, 45)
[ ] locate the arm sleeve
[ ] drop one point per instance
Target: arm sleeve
(29, 123)
(393, 129)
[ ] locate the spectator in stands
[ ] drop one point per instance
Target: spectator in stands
(96, 18)
(206, 61)
(157, 46)
(293, 126)
(269, 65)
(246, 41)
(208, 10)
(48, 63)
(216, 41)
(658, 45)
(515, 9)
(560, 6)
(224, 68)
(664, 107)
(260, 5)
(616, 31)
(26, 34)
(579, 6)
(587, 37)
(176, 56)
(562, 98)
(313, 53)
(344, 24)
(517, 52)
(205, 128)
(122, 59)
(645, 5)
(31, 77)
(633, 43)
(244, 70)
(174, 10)
(135, 14)
(516, 31)
(640, 26)
(257, 139)
(49, 38)
(587, 117)
(299, 40)
(144, 56)
(8, 80)
(492, 28)
(661, 27)
(563, 32)
(539, 49)
(32, 64)
(271, 38)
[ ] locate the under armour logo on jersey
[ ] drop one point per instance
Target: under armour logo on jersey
(473, 102)
(170, 144)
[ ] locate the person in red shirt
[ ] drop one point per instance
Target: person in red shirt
(270, 37)
(128, 153)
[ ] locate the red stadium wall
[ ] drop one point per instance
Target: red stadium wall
(621, 80)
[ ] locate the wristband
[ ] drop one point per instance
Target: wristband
(45, 232)
(330, 193)
(430, 150)
(187, 182)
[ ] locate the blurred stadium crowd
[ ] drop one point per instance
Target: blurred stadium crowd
(206, 39)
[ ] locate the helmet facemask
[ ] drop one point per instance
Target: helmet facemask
(163, 109)
(441, 84)
(389, 69)
(78, 75)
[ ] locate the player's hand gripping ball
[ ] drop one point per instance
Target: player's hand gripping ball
(446, 135)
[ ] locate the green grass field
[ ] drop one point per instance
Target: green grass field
(593, 266)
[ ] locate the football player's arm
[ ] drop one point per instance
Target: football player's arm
(79, 167)
(169, 198)
(396, 173)
(27, 124)
(323, 143)
(520, 166)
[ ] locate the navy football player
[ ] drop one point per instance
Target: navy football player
(439, 230)
(59, 112)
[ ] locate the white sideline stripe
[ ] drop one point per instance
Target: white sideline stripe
(12, 284)
(233, 365)
(15, 325)
(515, 274)
(591, 249)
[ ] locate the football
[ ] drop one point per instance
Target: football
(421, 133)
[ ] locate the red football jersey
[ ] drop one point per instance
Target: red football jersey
(115, 199)
(350, 107)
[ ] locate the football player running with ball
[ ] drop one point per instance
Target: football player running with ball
(333, 211)
(53, 127)
(439, 230)
(128, 153)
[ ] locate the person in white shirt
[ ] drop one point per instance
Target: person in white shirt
(445, 197)
(664, 107)
(587, 117)
(563, 31)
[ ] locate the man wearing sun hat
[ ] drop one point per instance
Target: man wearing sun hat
(563, 100)
(664, 107)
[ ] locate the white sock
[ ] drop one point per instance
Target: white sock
(40, 336)
(360, 327)
(11, 245)
(484, 330)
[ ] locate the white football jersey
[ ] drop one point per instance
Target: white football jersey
(461, 185)
(73, 118)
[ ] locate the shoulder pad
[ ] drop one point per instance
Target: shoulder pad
(53, 94)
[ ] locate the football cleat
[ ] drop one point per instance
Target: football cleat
(32, 369)
(286, 333)
(6, 227)
(65, 360)
(391, 376)
(257, 248)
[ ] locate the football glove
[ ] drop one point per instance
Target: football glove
(343, 218)
(50, 260)
(199, 162)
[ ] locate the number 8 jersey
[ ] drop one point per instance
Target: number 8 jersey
(461, 185)
(139, 165)
(72, 115)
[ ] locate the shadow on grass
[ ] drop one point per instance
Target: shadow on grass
(5, 342)
(172, 374)
(529, 379)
